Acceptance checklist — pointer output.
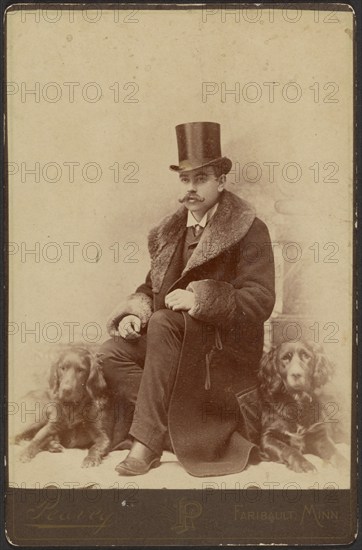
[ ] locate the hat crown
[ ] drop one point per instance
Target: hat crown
(198, 142)
(199, 146)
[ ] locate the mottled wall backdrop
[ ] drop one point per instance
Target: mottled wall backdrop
(93, 99)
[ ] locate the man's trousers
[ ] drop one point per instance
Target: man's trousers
(141, 374)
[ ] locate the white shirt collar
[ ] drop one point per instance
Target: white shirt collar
(191, 221)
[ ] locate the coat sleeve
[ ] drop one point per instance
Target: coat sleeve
(250, 295)
(140, 303)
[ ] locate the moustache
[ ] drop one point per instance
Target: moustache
(191, 196)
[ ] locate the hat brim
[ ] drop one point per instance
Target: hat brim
(226, 165)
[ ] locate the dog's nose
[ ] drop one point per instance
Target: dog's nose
(296, 375)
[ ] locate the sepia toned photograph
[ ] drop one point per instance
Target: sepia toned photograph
(181, 273)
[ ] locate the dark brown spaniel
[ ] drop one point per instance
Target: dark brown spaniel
(74, 411)
(290, 380)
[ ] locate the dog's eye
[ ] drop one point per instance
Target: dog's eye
(287, 356)
(305, 355)
(80, 370)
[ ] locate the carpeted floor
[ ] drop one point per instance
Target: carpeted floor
(64, 470)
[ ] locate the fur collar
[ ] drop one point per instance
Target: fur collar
(230, 223)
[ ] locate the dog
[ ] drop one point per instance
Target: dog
(291, 377)
(75, 408)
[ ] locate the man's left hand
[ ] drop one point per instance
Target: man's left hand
(180, 299)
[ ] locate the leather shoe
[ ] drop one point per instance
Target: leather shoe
(139, 461)
(136, 467)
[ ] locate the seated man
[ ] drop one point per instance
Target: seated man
(190, 338)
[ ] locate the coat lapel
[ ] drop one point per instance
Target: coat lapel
(228, 226)
(162, 243)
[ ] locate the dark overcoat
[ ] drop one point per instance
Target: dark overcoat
(231, 273)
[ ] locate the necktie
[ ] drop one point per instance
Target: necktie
(197, 228)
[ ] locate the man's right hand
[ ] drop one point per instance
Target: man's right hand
(129, 327)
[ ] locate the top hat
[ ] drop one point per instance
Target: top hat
(198, 146)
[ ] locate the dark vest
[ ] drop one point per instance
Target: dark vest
(190, 243)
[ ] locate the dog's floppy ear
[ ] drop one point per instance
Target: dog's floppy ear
(54, 377)
(96, 384)
(323, 367)
(269, 378)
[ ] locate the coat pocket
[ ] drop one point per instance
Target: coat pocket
(250, 408)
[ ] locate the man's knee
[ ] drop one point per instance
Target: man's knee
(109, 351)
(107, 346)
(114, 354)
(107, 358)
(166, 319)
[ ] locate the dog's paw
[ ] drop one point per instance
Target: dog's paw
(91, 461)
(55, 447)
(300, 464)
(338, 461)
(26, 456)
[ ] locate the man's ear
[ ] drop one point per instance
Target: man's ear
(222, 181)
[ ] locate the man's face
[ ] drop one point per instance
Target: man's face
(202, 189)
